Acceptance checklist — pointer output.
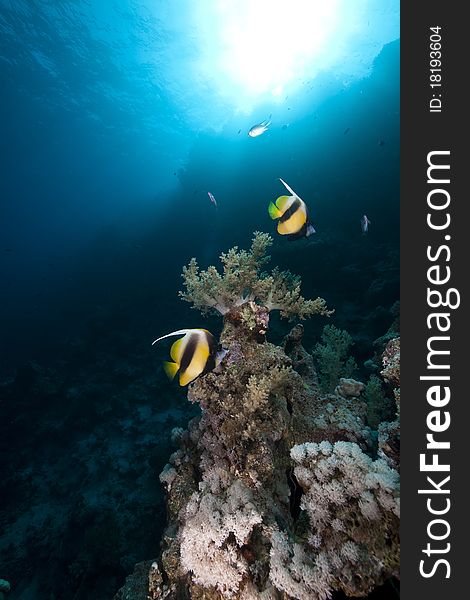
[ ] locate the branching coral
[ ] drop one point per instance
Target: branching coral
(332, 357)
(375, 399)
(242, 281)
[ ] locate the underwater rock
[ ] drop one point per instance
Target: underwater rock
(302, 361)
(144, 583)
(391, 362)
(349, 387)
(4, 588)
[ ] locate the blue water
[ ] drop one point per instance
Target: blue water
(116, 120)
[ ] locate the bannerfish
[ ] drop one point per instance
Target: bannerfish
(192, 355)
(365, 224)
(293, 216)
(260, 128)
(212, 199)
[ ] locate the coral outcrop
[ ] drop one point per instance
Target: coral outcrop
(389, 432)
(242, 286)
(332, 356)
(273, 492)
(4, 588)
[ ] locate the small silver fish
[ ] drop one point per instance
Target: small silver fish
(365, 224)
(260, 128)
(212, 199)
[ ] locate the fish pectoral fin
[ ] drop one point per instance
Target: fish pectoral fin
(273, 211)
(282, 203)
(171, 369)
(176, 350)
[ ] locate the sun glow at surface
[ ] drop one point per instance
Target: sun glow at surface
(265, 44)
(253, 52)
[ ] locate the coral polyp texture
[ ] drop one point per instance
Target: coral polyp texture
(277, 490)
(242, 283)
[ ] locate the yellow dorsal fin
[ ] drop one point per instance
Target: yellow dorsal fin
(171, 369)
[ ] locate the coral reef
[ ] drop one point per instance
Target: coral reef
(353, 509)
(145, 583)
(332, 356)
(375, 399)
(272, 493)
(389, 432)
(243, 284)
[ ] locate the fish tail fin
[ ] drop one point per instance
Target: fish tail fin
(220, 355)
(171, 368)
(273, 211)
(310, 230)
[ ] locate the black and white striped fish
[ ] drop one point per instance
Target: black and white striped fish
(293, 216)
(192, 355)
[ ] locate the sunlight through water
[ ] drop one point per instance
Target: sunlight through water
(252, 52)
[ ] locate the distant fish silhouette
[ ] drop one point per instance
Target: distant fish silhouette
(239, 131)
(212, 199)
(365, 224)
(346, 130)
